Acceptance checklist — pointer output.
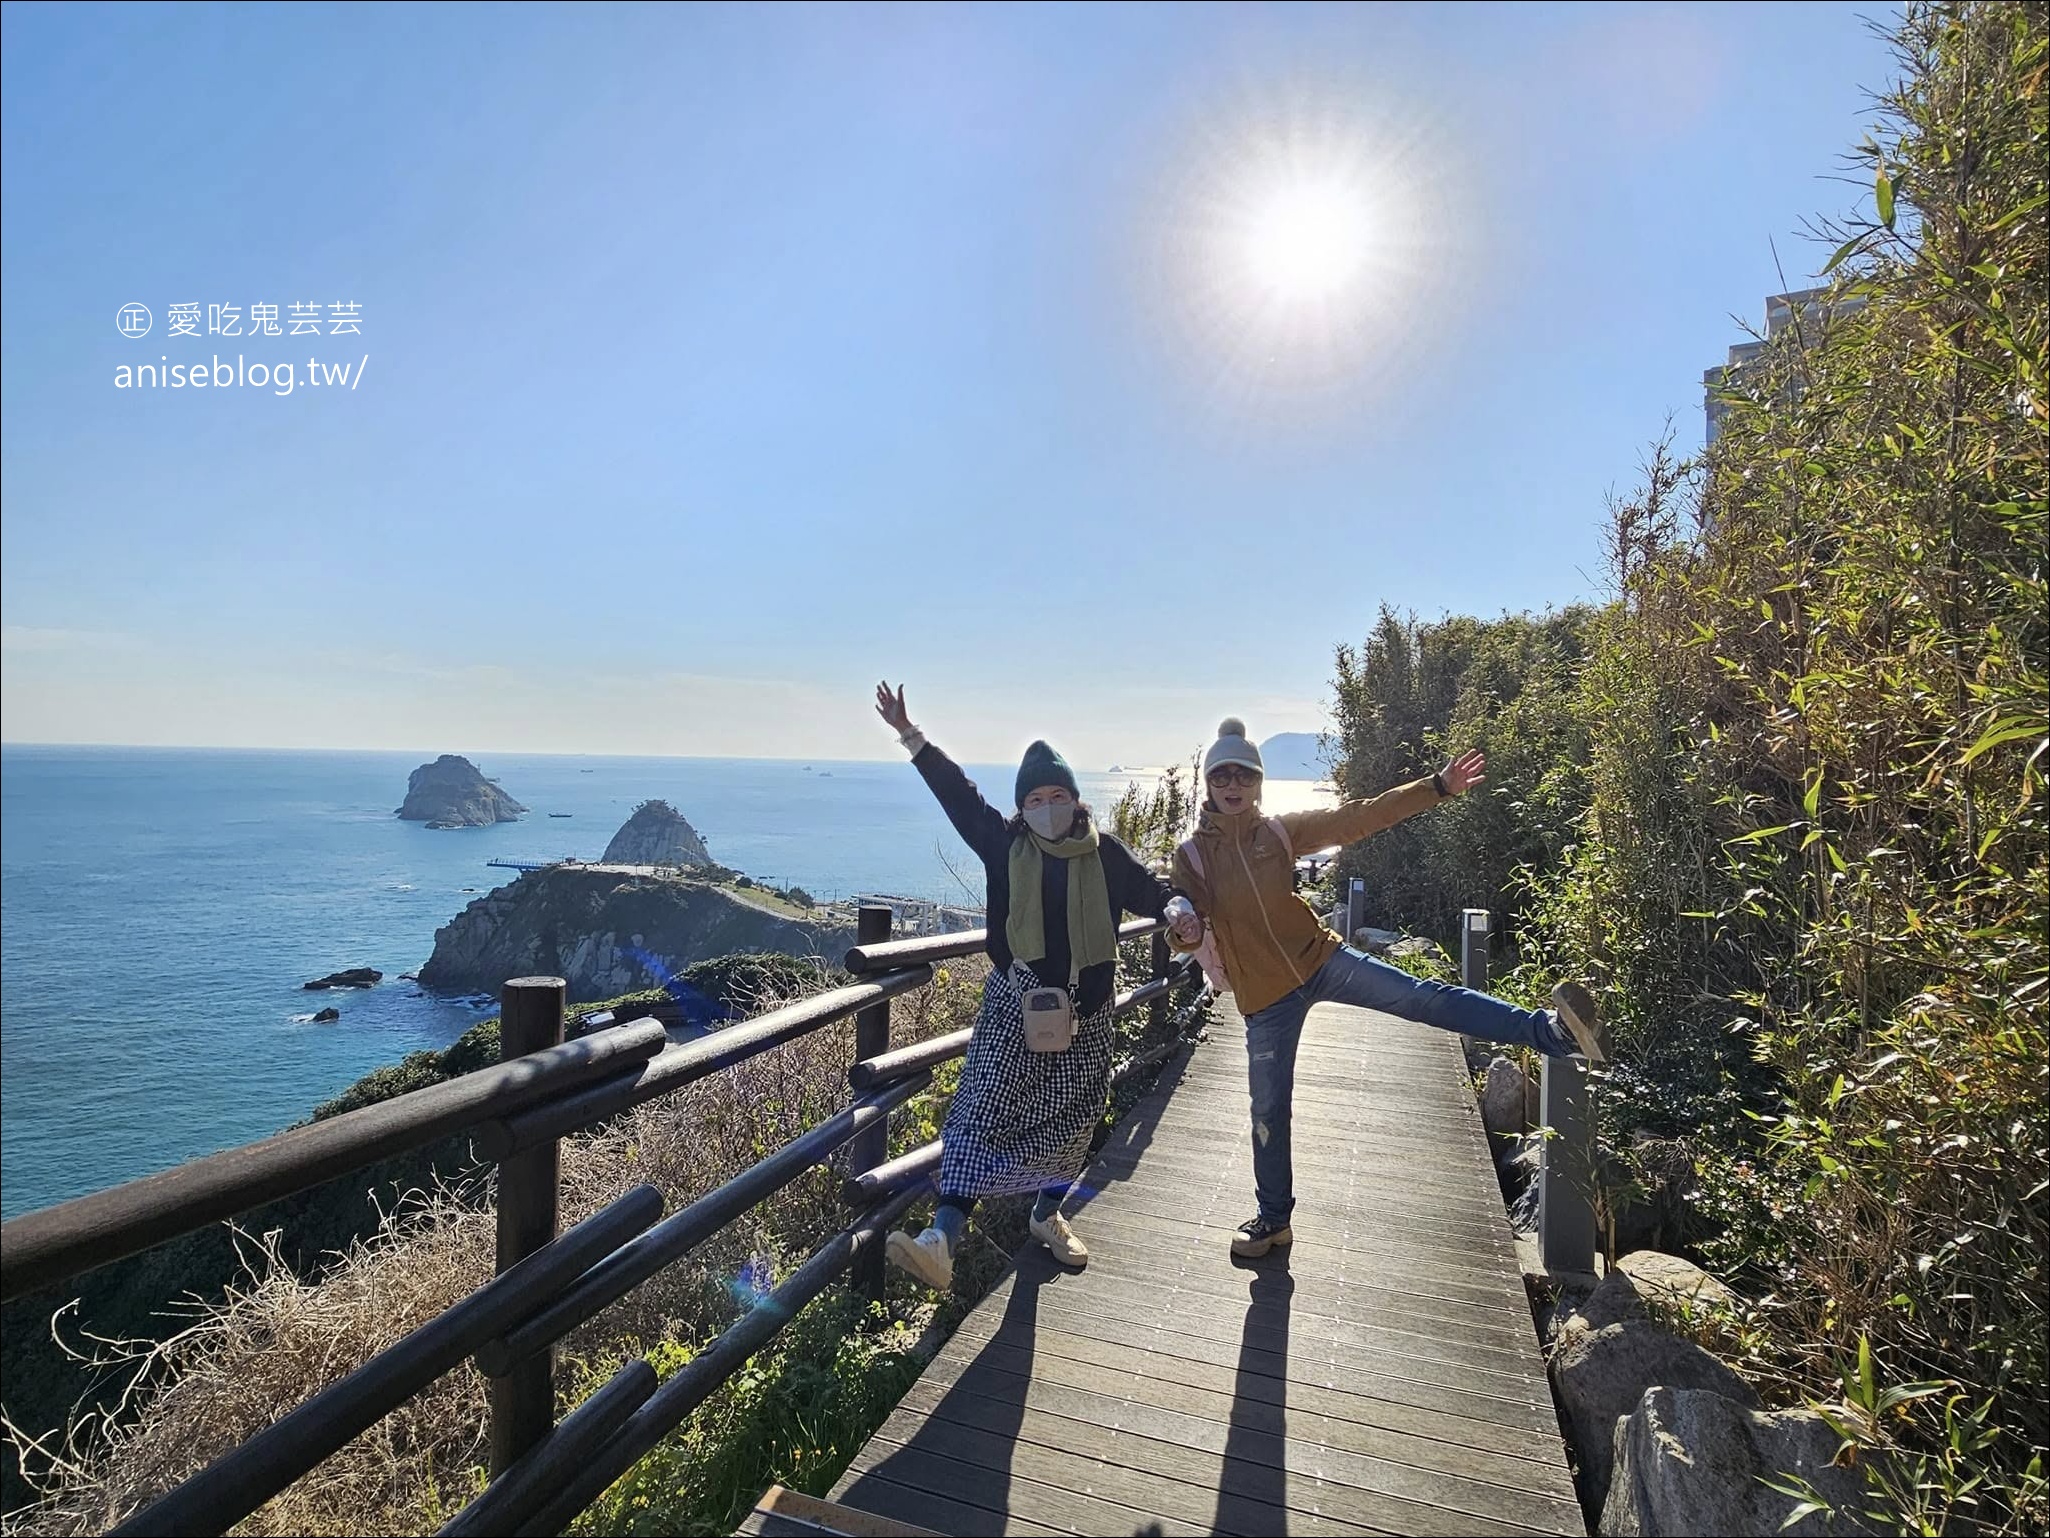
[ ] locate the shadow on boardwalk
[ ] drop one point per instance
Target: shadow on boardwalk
(1381, 1375)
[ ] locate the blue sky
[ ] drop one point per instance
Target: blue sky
(722, 360)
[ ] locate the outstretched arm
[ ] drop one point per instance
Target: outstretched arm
(980, 825)
(1355, 820)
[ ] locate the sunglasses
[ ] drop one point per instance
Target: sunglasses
(1234, 774)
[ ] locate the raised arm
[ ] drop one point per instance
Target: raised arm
(1355, 820)
(980, 825)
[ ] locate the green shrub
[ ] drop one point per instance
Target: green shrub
(795, 1415)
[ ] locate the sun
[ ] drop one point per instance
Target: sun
(1310, 238)
(1302, 237)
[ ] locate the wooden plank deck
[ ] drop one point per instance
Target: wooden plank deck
(1380, 1375)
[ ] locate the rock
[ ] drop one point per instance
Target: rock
(1614, 1301)
(1669, 1279)
(1690, 1461)
(656, 834)
(1608, 1352)
(1502, 1102)
(609, 932)
(450, 793)
(1523, 1212)
(1375, 942)
(321, 1017)
(1519, 1178)
(354, 977)
(1417, 945)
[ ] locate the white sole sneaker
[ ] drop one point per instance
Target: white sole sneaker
(1055, 1234)
(926, 1257)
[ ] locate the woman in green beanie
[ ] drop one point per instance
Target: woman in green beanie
(1023, 1114)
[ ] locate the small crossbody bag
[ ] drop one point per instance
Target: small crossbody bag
(1048, 1013)
(1049, 1019)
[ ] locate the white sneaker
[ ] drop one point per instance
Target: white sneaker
(1055, 1234)
(928, 1257)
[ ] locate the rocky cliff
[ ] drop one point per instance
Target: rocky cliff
(612, 931)
(657, 834)
(450, 793)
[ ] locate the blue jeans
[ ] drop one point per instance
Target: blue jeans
(1352, 977)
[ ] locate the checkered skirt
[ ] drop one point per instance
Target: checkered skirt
(1022, 1120)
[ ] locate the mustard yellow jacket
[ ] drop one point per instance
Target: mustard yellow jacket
(1270, 941)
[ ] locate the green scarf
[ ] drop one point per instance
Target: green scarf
(1092, 934)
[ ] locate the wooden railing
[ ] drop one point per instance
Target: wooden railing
(543, 1473)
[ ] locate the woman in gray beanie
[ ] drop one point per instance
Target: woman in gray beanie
(1029, 1096)
(1243, 918)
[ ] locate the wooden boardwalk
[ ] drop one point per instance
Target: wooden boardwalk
(1381, 1375)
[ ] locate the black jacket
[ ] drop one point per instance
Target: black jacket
(985, 830)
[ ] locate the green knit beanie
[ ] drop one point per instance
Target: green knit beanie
(1043, 766)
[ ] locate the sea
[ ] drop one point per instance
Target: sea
(161, 908)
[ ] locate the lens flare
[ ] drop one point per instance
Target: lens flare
(1302, 237)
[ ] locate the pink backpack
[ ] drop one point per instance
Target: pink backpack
(1206, 954)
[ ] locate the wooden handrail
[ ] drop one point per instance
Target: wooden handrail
(927, 949)
(546, 1473)
(677, 1235)
(678, 1066)
(39, 1248)
(227, 1490)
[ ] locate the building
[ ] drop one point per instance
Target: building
(1809, 309)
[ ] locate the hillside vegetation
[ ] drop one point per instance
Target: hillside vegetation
(1781, 798)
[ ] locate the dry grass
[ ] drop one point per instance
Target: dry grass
(276, 1340)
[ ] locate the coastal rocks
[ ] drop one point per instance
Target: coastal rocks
(354, 977)
(1688, 1461)
(656, 834)
(1669, 1279)
(450, 793)
(610, 933)
(1608, 1352)
(324, 1016)
(1375, 942)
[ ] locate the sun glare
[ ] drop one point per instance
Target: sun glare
(1306, 233)
(1308, 240)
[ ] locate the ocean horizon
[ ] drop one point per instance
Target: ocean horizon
(161, 908)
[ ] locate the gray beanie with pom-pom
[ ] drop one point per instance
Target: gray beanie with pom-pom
(1232, 747)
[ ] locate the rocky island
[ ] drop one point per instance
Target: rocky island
(450, 793)
(612, 929)
(657, 834)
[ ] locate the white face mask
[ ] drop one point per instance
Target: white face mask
(1050, 820)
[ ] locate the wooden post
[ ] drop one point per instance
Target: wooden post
(1156, 1012)
(872, 1147)
(1473, 949)
(523, 1401)
(1565, 1170)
